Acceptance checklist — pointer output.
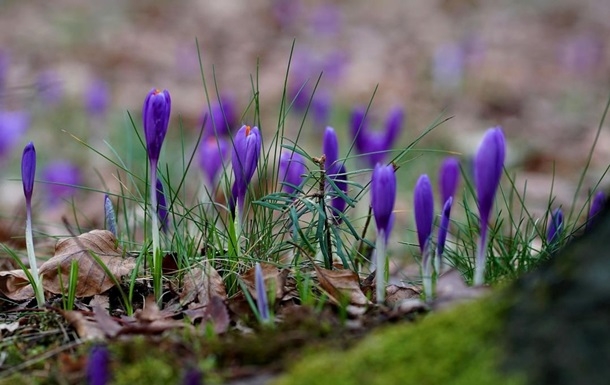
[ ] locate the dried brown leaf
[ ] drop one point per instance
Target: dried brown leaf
(274, 279)
(85, 328)
(342, 284)
(14, 284)
(200, 284)
(217, 313)
(105, 322)
(92, 279)
(396, 294)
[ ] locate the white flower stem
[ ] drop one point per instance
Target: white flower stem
(427, 271)
(238, 225)
(156, 248)
(380, 247)
(479, 265)
(29, 244)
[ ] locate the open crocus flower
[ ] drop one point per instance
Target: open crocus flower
(599, 201)
(383, 195)
(488, 165)
(375, 145)
(423, 208)
(212, 157)
(28, 173)
(555, 227)
(246, 151)
(291, 171)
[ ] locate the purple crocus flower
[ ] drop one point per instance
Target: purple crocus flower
(193, 377)
(222, 117)
(320, 107)
(375, 144)
(162, 207)
(337, 202)
(28, 171)
(423, 207)
(212, 157)
(448, 178)
(488, 165)
(291, 170)
(98, 366)
(599, 201)
(97, 98)
(155, 113)
(261, 294)
(330, 148)
(383, 195)
(448, 66)
(442, 234)
(246, 150)
(13, 125)
(62, 178)
(555, 227)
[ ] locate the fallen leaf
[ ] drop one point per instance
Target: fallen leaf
(395, 294)
(105, 322)
(274, 278)
(85, 328)
(199, 284)
(9, 327)
(342, 284)
(216, 312)
(92, 278)
(14, 285)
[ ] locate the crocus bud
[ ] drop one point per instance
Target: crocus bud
(162, 207)
(291, 170)
(375, 144)
(109, 215)
(212, 156)
(383, 195)
(246, 150)
(359, 128)
(599, 201)
(423, 207)
(261, 293)
(98, 371)
(97, 98)
(442, 232)
(155, 114)
(555, 227)
(488, 165)
(393, 127)
(28, 170)
(330, 148)
(337, 202)
(320, 108)
(448, 178)
(223, 117)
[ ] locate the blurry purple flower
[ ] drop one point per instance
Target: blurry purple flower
(13, 124)
(330, 149)
(474, 51)
(383, 196)
(448, 66)
(555, 227)
(109, 215)
(599, 201)
(326, 19)
(223, 119)
(320, 108)
(97, 98)
(212, 157)
(61, 179)
(488, 166)
(98, 366)
(261, 294)
(286, 12)
(581, 54)
(162, 207)
(291, 170)
(246, 150)
(448, 178)
(423, 208)
(50, 88)
(375, 144)
(442, 232)
(337, 202)
(28, 171)
(155, 114)
(333, 66)
(193, 377)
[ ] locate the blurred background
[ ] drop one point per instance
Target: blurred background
(71, 69)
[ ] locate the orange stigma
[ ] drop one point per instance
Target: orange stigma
(156, 91)
(248, 130)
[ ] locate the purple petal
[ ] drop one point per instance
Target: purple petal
(599, 201)
(393, 127)
(488, 165)
(156, 111)
(212, 157)
(261, 293)
(28, 170)
(448, 178)
(339, 177)
(98, 371)
(330, 148)
(555, 227)
(246, 151)
(444, 227)
(97, 98)
(61, 179)
(423, 207)
(13, 125)
(291, 170)
(383, 196)
(162, 207)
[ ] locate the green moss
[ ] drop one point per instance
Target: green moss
(455, 347)
(149, 370)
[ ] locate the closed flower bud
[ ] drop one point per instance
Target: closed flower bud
(28, 170)
(155, 114)
(448, 178)
(488, 165)
(212, 156)
(383, 195)
(423, 207)
(555, 227)
(291, 170)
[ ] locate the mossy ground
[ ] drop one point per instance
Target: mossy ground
(461, 346)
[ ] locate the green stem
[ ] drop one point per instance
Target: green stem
(29, 244)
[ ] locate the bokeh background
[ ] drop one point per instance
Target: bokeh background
(540, 69)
